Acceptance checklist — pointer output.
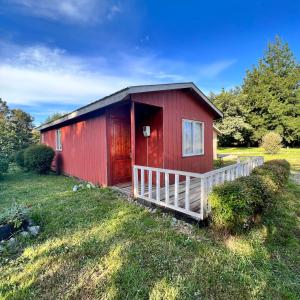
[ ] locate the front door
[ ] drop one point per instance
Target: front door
(120, 146)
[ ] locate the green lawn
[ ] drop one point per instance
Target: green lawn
(291, 154)
(94, 245)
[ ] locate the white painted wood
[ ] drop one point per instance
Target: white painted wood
(167, 184)
(157, 186)
(176, 190)
(187, 192)
(142, 182)
(150, 184)
(135, 181)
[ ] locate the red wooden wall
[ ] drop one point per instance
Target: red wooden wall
(149, 151)
(84, 149)
(178, 105)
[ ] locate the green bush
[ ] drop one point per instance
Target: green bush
(19, 158)
(14, 215)
(235, 204)
(281, 162)
(274, 172)
(3, 165)
(38, 158)
(271, 142)
(230, 207)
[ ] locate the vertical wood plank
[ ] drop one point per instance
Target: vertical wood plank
(167, 187)
(135, 181)
(157, 186)
(150, 184)
(187, 192)
(142, 182)
(202, 196)
(176, 190)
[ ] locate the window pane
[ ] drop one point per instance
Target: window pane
(198, 144)
(188, 138)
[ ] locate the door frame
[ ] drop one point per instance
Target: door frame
(109, 140)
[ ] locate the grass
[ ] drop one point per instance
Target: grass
(94, 245)
(292, 154)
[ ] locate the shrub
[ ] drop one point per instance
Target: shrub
(3, 165)
(276, 173)
(38, 158)
(271, 142)
(281, 162)
(235, 204)
(14, 215)
(19, 158)
(230, 207)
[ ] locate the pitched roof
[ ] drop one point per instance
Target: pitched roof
(123, 94)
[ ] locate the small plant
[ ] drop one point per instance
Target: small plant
(271, 142)
(3, 165)
(19, 158)
(38, 158)
(14, 215)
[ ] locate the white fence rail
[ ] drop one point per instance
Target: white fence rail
(186, 192)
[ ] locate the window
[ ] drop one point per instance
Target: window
(192, 138)
(58, 140)
(42, 138)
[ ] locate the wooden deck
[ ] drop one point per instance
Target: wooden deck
(194, 193)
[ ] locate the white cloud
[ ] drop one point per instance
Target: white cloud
(69, 10)
(38, 74)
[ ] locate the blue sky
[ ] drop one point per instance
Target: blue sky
(56, 55)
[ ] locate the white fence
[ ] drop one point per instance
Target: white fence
(186, 192)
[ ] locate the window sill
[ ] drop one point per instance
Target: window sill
(191, 155)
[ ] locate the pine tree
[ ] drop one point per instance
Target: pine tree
(272, 94)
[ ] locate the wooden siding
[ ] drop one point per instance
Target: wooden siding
(178, 105)
(84, 149)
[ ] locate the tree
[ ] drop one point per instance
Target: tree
(271, 91)
(53, 117)
(235, 130)
(23, 127)
(15, 130)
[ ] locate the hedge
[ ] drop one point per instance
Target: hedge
(19, 158)
(38, 158)
(235, 204)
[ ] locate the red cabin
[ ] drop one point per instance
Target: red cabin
(168, 126)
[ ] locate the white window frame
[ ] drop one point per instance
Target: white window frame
(193, 153)
(58, 142)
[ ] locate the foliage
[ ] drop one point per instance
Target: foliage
(271, 90)
(14, 215)
(3, 165)
(280, 162)
(268, 100)
(271, 142)
(234, 128)
(36, 136)
(274, 172)
(19, 158)
(38, 158)
(53, 117)
(235, 204)
(15, 130)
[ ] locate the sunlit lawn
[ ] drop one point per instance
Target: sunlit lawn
(290, 154)
(96, 246)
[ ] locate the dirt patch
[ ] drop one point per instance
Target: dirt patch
(295, 176)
